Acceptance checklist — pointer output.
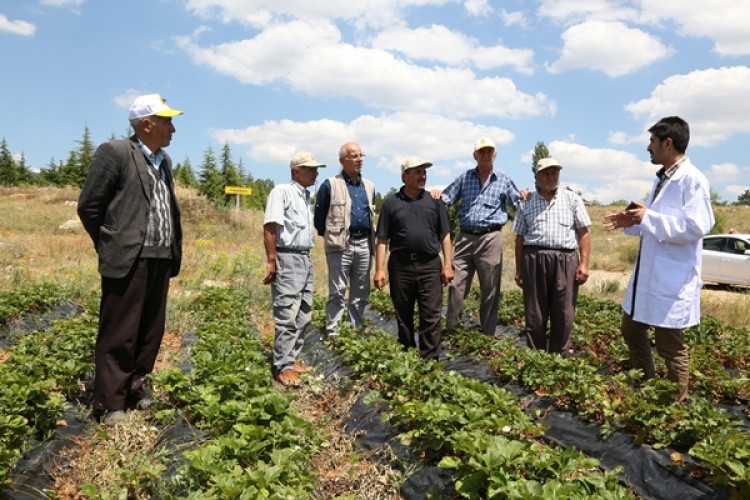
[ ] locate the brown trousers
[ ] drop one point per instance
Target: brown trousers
(132, 316)
(550, 293)
(670, 344)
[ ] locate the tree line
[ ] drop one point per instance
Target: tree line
(213, 173)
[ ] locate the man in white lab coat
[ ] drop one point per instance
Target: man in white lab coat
(664, 288)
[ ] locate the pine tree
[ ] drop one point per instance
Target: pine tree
(23, 172)
(229, 173)
(8, 170)
(211, 183)
(85, 153)
(183, 174)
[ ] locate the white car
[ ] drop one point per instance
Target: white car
(726, 259)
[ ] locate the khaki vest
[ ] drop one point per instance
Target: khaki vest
(338, 218)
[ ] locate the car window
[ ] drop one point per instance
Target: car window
(736, 246)
(714, 244)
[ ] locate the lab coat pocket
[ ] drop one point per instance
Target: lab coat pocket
(669, 278)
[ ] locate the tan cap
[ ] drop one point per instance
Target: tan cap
(414, 162)
(483, 142)
(305, 159)
(545, 163)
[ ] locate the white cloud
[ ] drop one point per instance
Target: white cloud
(62, 3)
(386, 139)
(260, 13)
(478, 8)
(576, 11)
(735, 190)
(723, 172)
(438, 43)
(723, 21)
(22, 28)
(309, 57)
(610, 47)
(517, 18)
(713, 101)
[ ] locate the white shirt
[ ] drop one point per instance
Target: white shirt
(288, 206)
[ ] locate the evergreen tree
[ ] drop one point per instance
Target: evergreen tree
(183, 174)
(211, 183)
(744, 198)
(69, 173)
(23, 172)
(261, 189)
(8, 170)
(229, 173)
(49, 176)
(85, 153)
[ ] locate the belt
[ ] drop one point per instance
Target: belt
(359, 234)
(293, 250)
(479, 232)
(416, 256)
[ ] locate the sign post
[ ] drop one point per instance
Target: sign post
(239, 191)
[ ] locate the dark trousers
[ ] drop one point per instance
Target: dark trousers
(131, 326)
(549, 295)
(417, 281)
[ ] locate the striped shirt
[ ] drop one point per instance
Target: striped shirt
(551, 224)
(481, 207)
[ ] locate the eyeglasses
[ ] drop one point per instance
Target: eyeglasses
(355, 157)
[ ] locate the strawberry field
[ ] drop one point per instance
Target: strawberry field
(491, 419)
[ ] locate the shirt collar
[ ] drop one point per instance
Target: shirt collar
(348, 178)
(668, 172)
(154, 158)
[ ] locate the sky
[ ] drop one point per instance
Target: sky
(400, 77)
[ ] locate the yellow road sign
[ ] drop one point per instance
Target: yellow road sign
(238, 190)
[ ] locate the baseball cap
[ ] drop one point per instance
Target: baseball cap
(305, 159)
(545, 163)
(483, 142)
(414, 162)
(150, 105)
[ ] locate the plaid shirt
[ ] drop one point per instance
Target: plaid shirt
(551, 224)
(481, 208)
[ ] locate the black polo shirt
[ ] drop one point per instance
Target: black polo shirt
(413, 225)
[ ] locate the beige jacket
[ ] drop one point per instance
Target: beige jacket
(338, 219)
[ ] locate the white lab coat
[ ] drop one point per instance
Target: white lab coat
(669, 282)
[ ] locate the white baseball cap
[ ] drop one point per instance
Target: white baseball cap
(545, 163)
(151, 105)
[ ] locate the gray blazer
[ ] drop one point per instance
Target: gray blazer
(114, 204)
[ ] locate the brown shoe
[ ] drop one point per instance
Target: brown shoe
(288, 377)
(300, 368)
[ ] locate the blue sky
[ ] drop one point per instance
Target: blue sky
(401, 77)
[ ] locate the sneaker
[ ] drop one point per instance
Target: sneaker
(288, 377)
(300, 368)
(112, 418)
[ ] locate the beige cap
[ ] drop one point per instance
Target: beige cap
(545, 163)
(414, 162)
(305, 159)
(483, 142)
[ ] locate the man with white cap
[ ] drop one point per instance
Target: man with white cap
(552, 257)
(128, 207)
(483, 193)
(288, 236)
(416, 228)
